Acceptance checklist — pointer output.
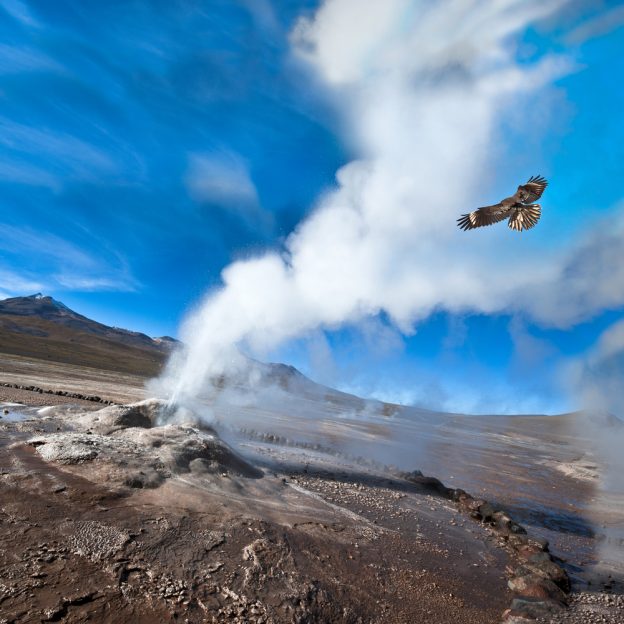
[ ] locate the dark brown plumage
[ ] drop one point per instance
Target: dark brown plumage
(519, 209)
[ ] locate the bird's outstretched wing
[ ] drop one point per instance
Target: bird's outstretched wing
(480, 217)
(532, 190)
(524, 218)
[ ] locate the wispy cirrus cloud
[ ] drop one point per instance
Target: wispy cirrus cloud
(16, 59)
(223, 178)
(67, 153)
(21, 12)
(24, 241)
(601, 24)
(107, 132)
(94, 283)
(13, 283)
(61, 264)
(16, 172)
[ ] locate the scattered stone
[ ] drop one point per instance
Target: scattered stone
(534, 586)
(487, 511)
(540, 583)
(531, 608)
(510, 618)
(549, 570)
(71, 395)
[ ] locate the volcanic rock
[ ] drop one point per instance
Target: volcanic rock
(68, 448)
(534, 586)
(144, 414)
(127, 443)
(548, 570)
(531, 608)
(525, 551)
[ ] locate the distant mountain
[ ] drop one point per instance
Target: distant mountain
(40, 326)
(45, 307)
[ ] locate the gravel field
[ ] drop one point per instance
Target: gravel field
(117, 387)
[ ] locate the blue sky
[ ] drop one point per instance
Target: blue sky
(145, 145)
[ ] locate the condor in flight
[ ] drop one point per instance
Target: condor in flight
(522, 213)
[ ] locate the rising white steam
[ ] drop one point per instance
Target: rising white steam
(597, 378)
(423, 85)
(596, 382)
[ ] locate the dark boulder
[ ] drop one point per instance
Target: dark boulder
(535, 608)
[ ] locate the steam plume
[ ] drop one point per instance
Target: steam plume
(422, 85)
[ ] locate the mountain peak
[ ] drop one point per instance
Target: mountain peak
(44, 307)
(48, 300)
(39, 326)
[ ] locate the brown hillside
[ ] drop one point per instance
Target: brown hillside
(47, 339)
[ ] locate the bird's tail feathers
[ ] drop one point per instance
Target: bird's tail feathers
(525, 218)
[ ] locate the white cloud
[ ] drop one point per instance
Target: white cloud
(602, 24)
(425, 85)
(582, 280)
(610, 343)
(21, 12)
(529, 352)
(595, 380)
(12, 284)
(63, 156)
(221, 178)
(68, 265)
(89, 283)
(343, 37)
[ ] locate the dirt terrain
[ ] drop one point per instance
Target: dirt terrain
(120, 387)
(92, 535)
(113, 518)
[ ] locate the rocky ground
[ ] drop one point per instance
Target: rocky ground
(55, 376)
(113, 514)
(591, 608)
(109, 517)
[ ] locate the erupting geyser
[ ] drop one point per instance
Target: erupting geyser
(383, 239)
